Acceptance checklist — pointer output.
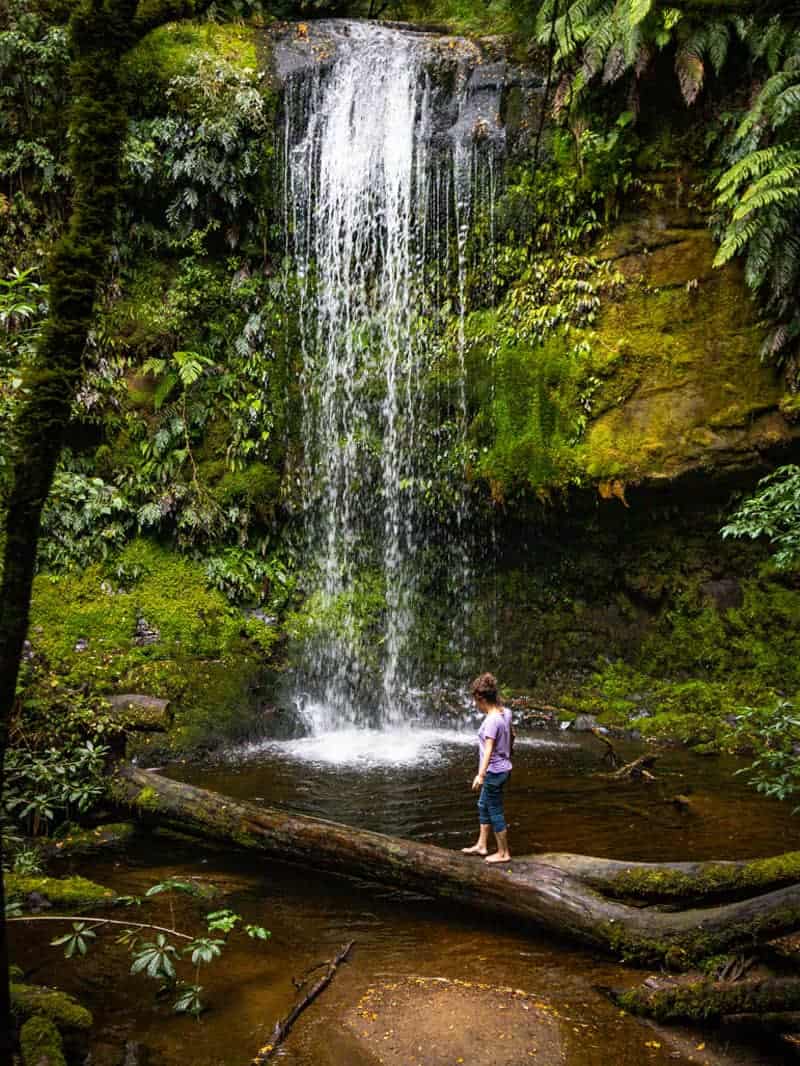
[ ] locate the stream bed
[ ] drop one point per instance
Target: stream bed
(412, 784)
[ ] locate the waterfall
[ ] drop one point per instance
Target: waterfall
(380, 166)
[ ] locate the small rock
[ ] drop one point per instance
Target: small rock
(81, 644)
(145, 634)
(584, 723)
(139, 712)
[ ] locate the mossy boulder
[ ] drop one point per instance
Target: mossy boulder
(67, 893)
(63, 1010)
(40, 1043)
(111, 837)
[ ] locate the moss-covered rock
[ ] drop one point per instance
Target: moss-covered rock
(111, 837)
(67, 893)
(40, 1043)
(60, 1008)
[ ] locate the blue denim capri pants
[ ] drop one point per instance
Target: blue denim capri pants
(490, 801)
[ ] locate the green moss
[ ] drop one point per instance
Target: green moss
(171, 49)
(59, 1007)
(681, 381)
(40, 1043)
(64, 893)
(147, 800)
(110, 837)
(711, 879)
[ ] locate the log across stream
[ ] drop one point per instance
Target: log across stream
(727, 905)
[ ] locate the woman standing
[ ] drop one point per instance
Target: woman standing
(494, 768)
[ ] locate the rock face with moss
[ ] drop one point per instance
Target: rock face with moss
(683, 385)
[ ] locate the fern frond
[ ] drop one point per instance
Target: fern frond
(718, 40)
(786, 106)
(638, 10)
(748, 169)
(736, 240)
(755, 199)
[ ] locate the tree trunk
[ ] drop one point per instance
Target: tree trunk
(527, 891)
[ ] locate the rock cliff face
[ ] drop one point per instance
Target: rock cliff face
(685, 389)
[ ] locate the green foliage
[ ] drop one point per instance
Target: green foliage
(758, 196)
(162, 957)
(23, 305)
(44, 788)
(34, 58)
(206, 159)
(773, 513)
(772, 733)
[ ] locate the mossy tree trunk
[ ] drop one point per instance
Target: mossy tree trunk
(529, 891)
(101, 31)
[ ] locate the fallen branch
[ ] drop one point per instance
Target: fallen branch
(610, 755)
(282, 1028)
(639, 768)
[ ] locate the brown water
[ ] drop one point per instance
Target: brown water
(556, 801)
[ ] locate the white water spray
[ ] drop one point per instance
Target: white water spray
(372, 190)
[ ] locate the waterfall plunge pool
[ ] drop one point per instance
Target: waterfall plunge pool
(556, 801)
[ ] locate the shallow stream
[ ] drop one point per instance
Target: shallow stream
(414, 785)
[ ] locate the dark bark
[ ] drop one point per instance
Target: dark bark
(528, 891)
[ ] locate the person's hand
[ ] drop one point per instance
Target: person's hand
(477, 783)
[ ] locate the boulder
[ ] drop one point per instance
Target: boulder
(140, 713)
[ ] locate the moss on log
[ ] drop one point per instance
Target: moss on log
(708, 1000)
(527, 891)
(680, 880)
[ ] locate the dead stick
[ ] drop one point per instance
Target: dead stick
(610, 755)
(282, 1028)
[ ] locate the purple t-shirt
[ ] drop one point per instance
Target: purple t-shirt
(498, 728)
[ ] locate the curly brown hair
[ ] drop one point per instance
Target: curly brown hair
(485, 688)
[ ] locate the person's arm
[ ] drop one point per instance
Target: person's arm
(480, 777)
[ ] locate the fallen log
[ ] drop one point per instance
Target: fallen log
(528, 891)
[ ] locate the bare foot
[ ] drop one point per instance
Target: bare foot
(498, 857)
(476, 849)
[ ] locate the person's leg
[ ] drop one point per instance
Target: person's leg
(481, 846)
(494, 800)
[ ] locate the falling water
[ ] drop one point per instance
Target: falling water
(380, 167)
